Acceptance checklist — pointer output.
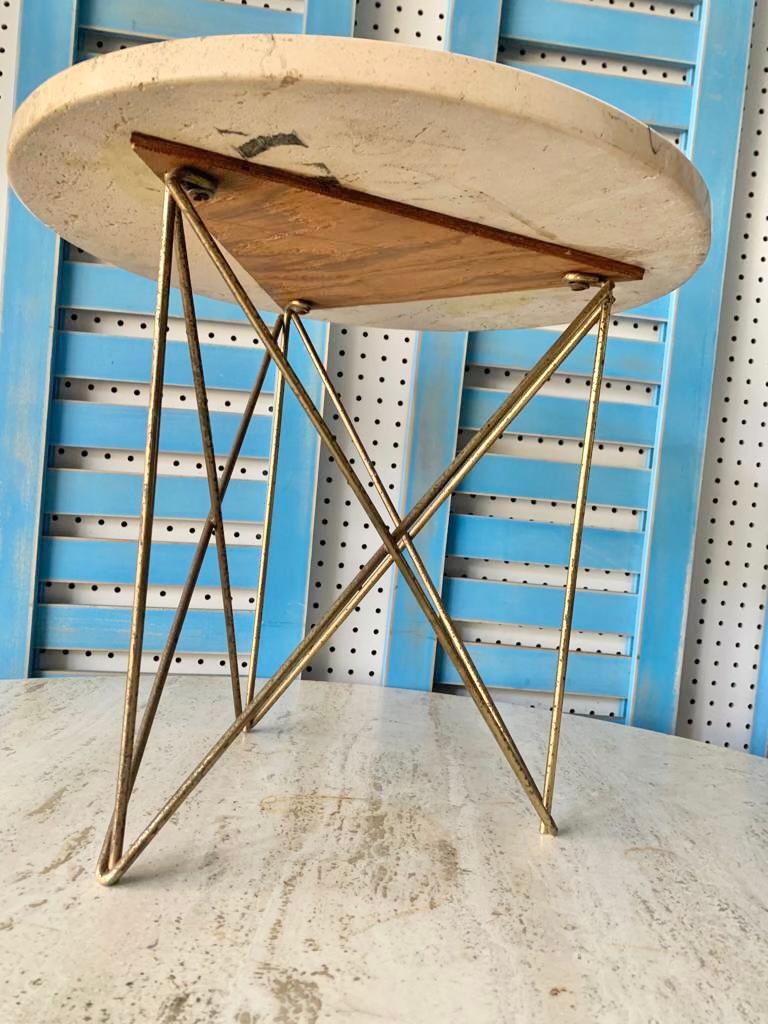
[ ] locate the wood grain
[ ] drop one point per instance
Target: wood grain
(334, 247)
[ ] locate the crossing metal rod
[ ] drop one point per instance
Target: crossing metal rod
(146, 517)
(445, 484)
(266, 530)
(166, 658)
(367, 577)
(209, 456)
(421, 513)
(577, 534)
(448, 635)
(376, 566)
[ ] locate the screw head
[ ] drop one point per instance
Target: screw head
(200, 187)
(578, 281)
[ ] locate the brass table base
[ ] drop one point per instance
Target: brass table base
(181, 196)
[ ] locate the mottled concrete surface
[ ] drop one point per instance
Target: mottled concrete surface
(367, 856)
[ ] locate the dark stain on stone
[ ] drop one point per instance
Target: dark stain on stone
(448, 859)
(73, 845)
(261, 143)
(230, 131)
(298, 998)
(173, 1007)
(327, 174)
(48, 805)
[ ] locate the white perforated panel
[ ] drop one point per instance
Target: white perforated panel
(684, 9)
(169, 531)
(730, 572)
(537, 510)
(276, 5)
(9, 33)
(371, 369)
(372, 372)
(419, 22)
(600, 64)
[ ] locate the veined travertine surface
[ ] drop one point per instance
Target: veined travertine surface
(366, 855)
(448, 133)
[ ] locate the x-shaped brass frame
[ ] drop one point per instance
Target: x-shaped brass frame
(397, 542)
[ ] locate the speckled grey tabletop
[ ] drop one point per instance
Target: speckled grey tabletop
(367, 856)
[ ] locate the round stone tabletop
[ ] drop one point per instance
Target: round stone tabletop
(450, 134)
(366, 855)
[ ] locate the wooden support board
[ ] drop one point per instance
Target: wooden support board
(314, 240)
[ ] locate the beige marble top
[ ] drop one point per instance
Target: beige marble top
(367, 856)
(448, 133)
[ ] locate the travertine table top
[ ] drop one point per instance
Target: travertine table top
(447, 133)
(366, 855)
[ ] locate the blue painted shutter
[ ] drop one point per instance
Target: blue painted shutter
(55, 300)
(684, 75)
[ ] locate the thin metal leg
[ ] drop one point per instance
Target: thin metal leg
(166, 658)
(369, 575)
(146, 518)
(575, 552)
(448, 480)
(421, 513)
(266, 531)
(206, 533)
(379, 563)
(450, 639)
(445, 632)
(209, 457)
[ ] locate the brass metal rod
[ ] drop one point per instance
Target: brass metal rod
(479, 444)
(574, 556)
(146, 517)
(166, 658)
(450, 639)
(447, 482)
(367, 578)
(441, 624)
(266, 530)
(209, 456)
(378, 564)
